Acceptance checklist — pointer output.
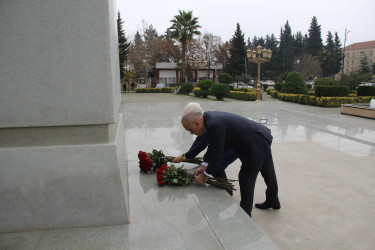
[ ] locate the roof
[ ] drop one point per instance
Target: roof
(362, 45)
(169, 65)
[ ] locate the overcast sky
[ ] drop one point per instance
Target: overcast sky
(257, 18)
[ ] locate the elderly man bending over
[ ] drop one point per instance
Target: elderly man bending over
(250, 140)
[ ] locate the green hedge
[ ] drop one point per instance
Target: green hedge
(246, 96)
(366, 91)
(319, 101)
(155, 90)
(329, 91)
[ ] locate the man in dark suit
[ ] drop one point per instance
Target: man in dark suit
(200, 143)
(251, 142)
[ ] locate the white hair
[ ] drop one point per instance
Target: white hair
(192, 111)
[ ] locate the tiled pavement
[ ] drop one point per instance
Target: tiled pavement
(325, 168)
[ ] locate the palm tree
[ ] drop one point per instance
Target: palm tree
(184, 26)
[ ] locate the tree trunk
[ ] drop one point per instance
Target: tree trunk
(183, 63)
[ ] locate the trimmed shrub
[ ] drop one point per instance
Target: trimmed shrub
(154, 90)
(294, 84)
(321, 101)
(141, 90)
(279, 86)
(225, 78)
(330, 91)
(205, 84)
(166, 90)
(186, 88)
(326, 81)
(220, 90)
(366, 91)
(197, 92)
(246, 96)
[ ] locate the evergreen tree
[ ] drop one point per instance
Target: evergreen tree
(327, 57)
(314, 40)
(365, 69)
(150, 33)
(286, 50)
(299, 44)
(138, 41)
(237, 54)
(338, 54)
(123, 45)
(270, 68)
(137, 53)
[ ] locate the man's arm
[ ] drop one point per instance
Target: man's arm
(199, 145)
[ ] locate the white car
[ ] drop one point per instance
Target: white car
(161, 85)
(269, 82)
(240, 85)
(141, 85)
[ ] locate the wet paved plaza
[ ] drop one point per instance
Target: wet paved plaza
(325, 164)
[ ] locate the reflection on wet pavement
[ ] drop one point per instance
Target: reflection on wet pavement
(159, 122)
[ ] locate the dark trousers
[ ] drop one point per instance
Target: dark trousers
(256, 156)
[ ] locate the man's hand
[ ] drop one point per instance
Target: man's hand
(200, 170)
(201, 179)
(177, 159)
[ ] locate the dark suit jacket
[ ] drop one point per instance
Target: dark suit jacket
(227, 130)
(200, 143)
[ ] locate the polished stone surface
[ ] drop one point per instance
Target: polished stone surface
(324, 163)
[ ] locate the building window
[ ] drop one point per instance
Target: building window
(171, 80)
(353, 54)
(352, 62)
(347, 70)
(347, 63)
(362, 54)
(348, 55)
(370, 61)
(163, 80)
(370, 52)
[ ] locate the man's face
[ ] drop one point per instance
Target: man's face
(195, 127)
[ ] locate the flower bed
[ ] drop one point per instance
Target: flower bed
(318, 101)
(155, 90)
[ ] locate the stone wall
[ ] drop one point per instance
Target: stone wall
(62, 146)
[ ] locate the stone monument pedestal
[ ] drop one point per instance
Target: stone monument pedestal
(63, 161)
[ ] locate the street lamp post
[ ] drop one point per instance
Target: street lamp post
(198, 64)
(343, 56)
(259, 56)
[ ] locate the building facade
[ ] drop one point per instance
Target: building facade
(354, 54)
(170, 73)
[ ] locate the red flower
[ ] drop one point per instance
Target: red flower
(144, 162)
(164, 166)
(161, 183)
(160, 171)
(159, 177)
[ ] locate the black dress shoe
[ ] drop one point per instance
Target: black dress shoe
(268, 204)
